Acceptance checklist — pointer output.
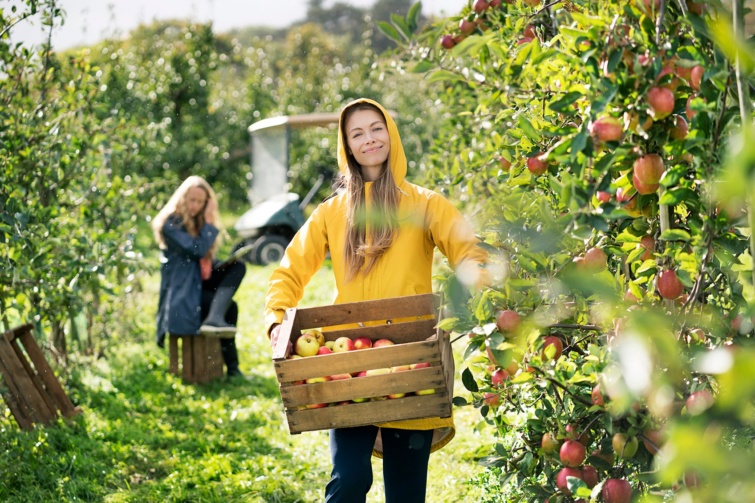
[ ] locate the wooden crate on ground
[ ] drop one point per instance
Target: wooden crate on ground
(199, 359)
(357, 401)
(34, 394)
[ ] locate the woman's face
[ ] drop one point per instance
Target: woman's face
(196, 198)
(367, 140)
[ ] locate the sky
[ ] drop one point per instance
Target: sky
(89, 21)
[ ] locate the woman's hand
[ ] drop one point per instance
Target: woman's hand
(275, 335)
(210, 209)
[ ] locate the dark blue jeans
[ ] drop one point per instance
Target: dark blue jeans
(405, 457)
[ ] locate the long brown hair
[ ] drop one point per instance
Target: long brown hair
(177, 206)
(361, 252)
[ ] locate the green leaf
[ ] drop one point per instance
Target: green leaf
(528, 129)
(398, 22)
(445, 76)
(564, 101)
(674, 235)
(423, 66)
(675, 196)
(467, 379)
(412, 17)
(389, 31)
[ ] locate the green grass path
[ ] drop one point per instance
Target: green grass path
(145, 436)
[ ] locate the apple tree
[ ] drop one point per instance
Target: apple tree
(603, 147)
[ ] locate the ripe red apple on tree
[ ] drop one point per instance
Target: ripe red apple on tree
(652, 439)
(536, 164)
(529, 31)
(680, 130)
(447, 41)
(648, 243)
(492, 399)
(595, 259)
(607, 128)
(603, 196)
(661, 102)
(617, 491)
(597, 396)
(561, 481)
(504, 163)
(507, 321)
(668, 284)
(480, 6)
(590, 476)
(554, 342)
(466, 27)
(648, 171)
(696, 77)
(498, 377)
(688, 108)
(572, 453)
(699, 401)
(697, 336)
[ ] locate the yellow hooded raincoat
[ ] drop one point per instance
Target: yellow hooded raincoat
(427, 220)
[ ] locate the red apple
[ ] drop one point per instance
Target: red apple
(697, 336)
(648, 171)
(536, 164)
(306, 345)
(324, 350)
(381, 343)
(529, 31)
(524, 40)
(590, 476)
(421, 365)
(492, 399)
(668, 284)
(617, 491)
(498, 377)
(652, 439)
(466, 27)
(699, 401)
(531, 3)
(661, 101)
(343, 344)
(495, 3)
(561, 481)
(504, 163)
(680, 130)
(554, 341)
(688, 108)
(603, 196)
(595, 259)
(507, 321)
(480, 6)
(549, 443)
(696, 77)
(340, 377)
(607, 128)
(447, 41)
(362, 343)
(597, 396)
(648, 243)
(696, 7)
(572, 453)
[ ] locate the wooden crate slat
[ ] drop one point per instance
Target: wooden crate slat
(173, 354)
(399, 333)
(51, 409)
(35, 394)
(199, 359)
(199, 355)
(363, 387)
(354, 312)
(361, 414)
(46, 374)
(187, 361)
(356, 361)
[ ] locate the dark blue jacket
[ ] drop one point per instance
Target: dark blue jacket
(179, 307)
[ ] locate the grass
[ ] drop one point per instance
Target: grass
(145, 436)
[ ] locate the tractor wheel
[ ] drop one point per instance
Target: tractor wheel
(268, 249)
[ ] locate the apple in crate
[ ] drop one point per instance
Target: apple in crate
(362, 343)
(382, 343)
(340, 377)
(306, 345)
(324, 350)
(421, 365)
(316, 333)
(377, 372)
(343, 344)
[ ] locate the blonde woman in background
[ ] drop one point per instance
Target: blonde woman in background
(196, 298)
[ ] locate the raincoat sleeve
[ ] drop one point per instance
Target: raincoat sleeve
(455, 239)
(178, 239)
(303, 258)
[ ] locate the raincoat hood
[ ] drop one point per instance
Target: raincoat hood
(396, 158)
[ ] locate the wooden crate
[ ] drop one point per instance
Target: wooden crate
(198, 361)
(34, 394)
(409, 322)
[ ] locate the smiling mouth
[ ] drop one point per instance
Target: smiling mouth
(372, 150)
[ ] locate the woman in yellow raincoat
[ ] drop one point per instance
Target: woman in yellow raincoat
(381, 232)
